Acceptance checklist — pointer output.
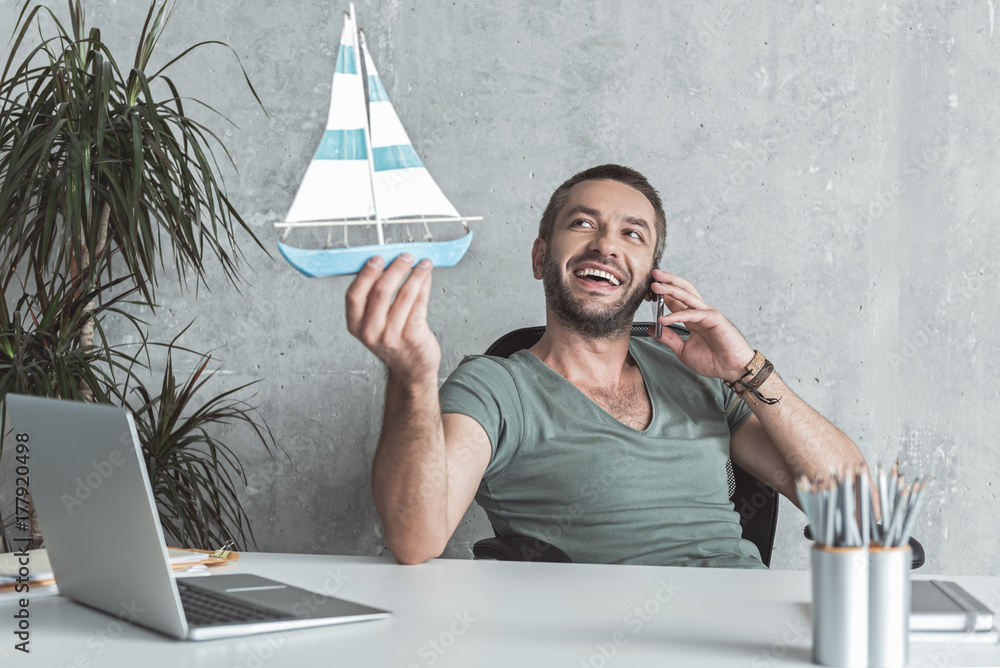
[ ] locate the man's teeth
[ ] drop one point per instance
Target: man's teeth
(599, 274)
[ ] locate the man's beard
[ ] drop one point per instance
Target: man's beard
(607, 322)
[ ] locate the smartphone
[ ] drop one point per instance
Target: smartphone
(658, 307)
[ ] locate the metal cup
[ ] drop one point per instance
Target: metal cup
(840, 606)
(889, 606)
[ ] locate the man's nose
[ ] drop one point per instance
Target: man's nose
(606, 243)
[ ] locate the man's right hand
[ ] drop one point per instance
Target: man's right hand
(427, 467)
(395, 329)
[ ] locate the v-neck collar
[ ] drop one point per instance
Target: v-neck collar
(592, 406)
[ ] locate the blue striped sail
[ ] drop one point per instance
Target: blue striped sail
(337, 183)
(403, 186)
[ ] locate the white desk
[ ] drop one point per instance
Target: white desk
(479, 613)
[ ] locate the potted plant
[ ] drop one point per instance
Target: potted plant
(102, 176)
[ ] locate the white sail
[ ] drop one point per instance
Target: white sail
(337, 183)
(403, 186)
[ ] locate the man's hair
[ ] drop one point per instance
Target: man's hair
(618, 173)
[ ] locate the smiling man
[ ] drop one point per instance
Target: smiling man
(613, 448)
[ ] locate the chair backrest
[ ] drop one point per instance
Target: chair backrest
(756, 503)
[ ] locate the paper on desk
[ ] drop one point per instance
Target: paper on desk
(42, 580)
(41, 590)
(187, 563)
(178, 556)
(40, 568)
(38, 564)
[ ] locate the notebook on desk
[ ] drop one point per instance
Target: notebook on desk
(96, 510)
(942, 605)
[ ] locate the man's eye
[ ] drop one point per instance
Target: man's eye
(582, 222)
(635, 235)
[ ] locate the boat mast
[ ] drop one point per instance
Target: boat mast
(368, 122)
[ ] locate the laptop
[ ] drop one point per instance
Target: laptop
(102, 531)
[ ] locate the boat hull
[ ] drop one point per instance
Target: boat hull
(316, 263)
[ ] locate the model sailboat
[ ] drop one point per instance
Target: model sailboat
(365, 172)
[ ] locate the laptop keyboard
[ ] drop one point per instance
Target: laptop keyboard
(207, 608)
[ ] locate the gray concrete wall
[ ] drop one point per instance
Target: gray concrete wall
(828, 169)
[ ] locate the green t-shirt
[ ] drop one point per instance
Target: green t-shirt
(564, 470)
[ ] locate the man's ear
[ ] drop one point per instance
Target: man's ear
(538, 258)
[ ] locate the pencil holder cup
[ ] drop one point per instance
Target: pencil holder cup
(840, 606)
(889, 606)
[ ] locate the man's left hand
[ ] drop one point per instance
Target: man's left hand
(715, 347)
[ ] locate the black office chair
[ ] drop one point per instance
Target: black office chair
(756, 503)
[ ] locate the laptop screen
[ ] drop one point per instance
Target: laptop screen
(95, 507)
